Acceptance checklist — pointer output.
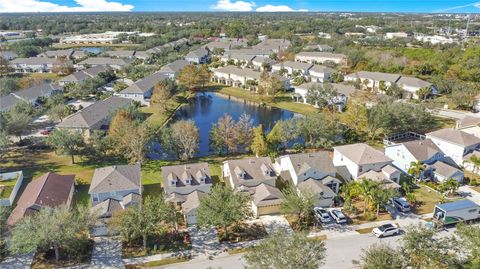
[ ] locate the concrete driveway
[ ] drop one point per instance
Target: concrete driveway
(275, 222)
(204, 242)
(107, 253)
(469, 193)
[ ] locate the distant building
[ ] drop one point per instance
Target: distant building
(33, 65)
(172, 70)
(8, 55)
(85, 74)
(320, 57)
(30, 95)
(142, 89)
(273, 45)
(293, 67)
(115, 63)
(198, 56)
(396, 35)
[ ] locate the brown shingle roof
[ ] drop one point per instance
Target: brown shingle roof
(115, 178)
(49, 190)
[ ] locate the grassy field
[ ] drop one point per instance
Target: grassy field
(6, 187)
(283, 101)
(426, 200)
(157, 118)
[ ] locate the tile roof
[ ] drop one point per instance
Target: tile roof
(48, 190)
(95, 113)
(455, 136)
(116, 178)
(362, 153)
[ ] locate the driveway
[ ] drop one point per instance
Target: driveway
(275, 222)
(18, 261)
(469, 193)
(204, 242)
(107, 253)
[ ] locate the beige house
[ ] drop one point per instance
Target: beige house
(266, 200)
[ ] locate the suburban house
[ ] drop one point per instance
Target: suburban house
(311, 171)
(227, 44)
(198, 56)
(94, 117)
(273, 45)
(412, 85)
(320, 73)
(142, 89)
(373, 80)
(249, 172)
(319, 47)
(438, 166)
(343, 93)
(293, 67)
(168, 46)
(47, 191)
(115, 63)
(185, 184)
(392, 35)
(172, 70)
(259, 62)
(67, 54)
(30, 95)
(455, 143)
(8, 55)
(470, 125)
(242, 60)
(360, 160)
(115, 188)
(242, 77)
(83, 75)
(33, 65)
(317, 57)
(126, 54)
(250, 51)
(266, 200)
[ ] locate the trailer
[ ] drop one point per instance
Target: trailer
(455, 212)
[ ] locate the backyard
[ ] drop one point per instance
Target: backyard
(426, 200)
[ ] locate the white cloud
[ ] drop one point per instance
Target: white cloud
(43, 6)
(475, 4)
(228, 5)
(280, 8)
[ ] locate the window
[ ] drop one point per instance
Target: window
(360, 169)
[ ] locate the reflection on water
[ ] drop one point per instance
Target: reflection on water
(207, 108)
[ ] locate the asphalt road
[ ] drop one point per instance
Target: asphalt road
(342, 252)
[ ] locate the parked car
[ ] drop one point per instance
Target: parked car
(386, 230)
(47, 130)
(401, 204)
(338, 216)
(322, 215)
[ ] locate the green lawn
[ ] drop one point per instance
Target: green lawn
(157, 118)
(6, 187)
(283, 101)
(426, 200)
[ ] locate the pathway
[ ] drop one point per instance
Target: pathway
(107, 253)
(204, 242)
(275, 222)
(19, 261)
(469, 193)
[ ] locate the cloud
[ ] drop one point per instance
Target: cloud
(43, 6)
(281, 8)
(475, 4)
(228, 5)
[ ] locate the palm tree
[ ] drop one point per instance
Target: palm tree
(364, 188)
(476, 163)
(416, 169)
(381, 195)
(451, 185)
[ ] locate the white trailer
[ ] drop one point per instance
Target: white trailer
(455, 212)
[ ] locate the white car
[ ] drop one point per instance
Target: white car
(386, 230)
(338, 216)
(322, 215)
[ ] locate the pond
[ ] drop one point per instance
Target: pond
(207, 108)
(94, 50)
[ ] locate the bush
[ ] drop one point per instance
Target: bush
(369, 216)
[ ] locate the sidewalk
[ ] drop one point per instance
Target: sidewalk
(19, 261)
(469, 193)
(107, 253)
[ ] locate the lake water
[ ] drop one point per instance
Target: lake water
(94, 50)
(207, 108)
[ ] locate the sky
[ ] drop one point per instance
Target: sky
(420, 6)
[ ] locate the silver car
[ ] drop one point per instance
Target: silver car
(338, 216)
(386, 230)
(322, 215)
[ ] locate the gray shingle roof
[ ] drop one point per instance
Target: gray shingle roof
(85, 74)
(8, 101)
(316, 186)
(377, 76)
(57, 53)
(120, 53)
(33, 93)
(200, 52)
(273, 44)
(116, 178)
(361, 153)
(422, 149)
(8, 55)
(175, 66)
(105, 61)
(33, 61)
(468, 121)
(180, 173)
(295, 65)
(318, 160)
(344, 89)
(455, 136)
(255, 171)
(192, 201)
(444, 170)
(266, 195)
(145, 84)
(321, 54)
(245, 72)
(95, 113)
(413, 82)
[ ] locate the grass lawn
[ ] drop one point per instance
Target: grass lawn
(6, 187)
(445, 123)
(426, 200)
(166, 261)
(242, 232)
(283, 101)
(50, 76)
(365, 230)
(170, 242)
(157, 118)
